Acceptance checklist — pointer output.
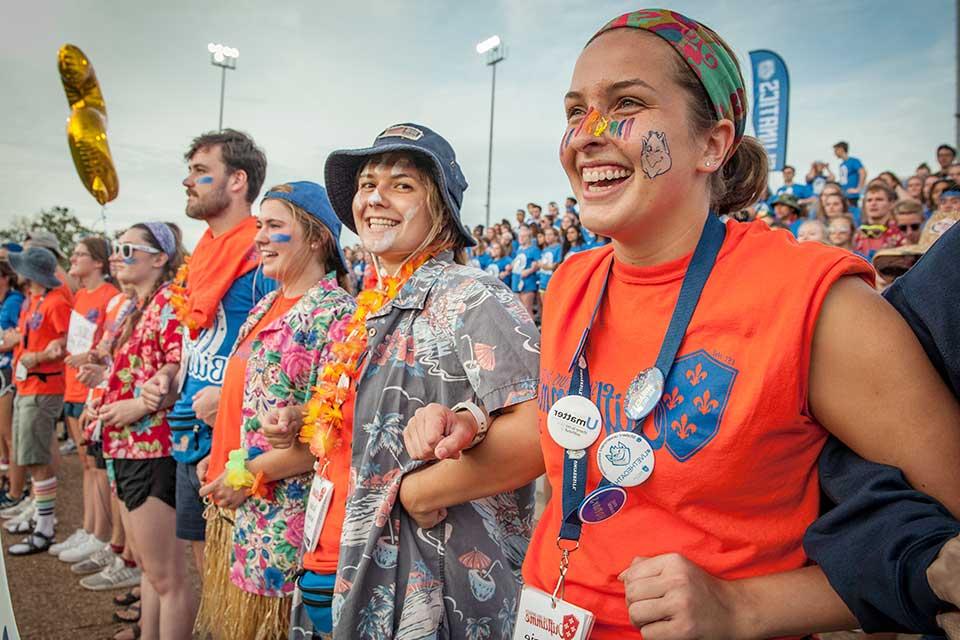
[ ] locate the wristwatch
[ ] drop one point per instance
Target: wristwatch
(483, 422)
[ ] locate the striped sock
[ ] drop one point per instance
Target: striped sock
(45, 497)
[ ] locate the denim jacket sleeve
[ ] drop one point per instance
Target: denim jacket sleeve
(877, 541)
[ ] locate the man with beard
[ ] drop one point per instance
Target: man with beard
(214, 295)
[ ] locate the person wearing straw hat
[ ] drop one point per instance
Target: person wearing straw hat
(39, 374)
(253, 538)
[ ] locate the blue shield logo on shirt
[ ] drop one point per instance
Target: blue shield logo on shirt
(695, 398)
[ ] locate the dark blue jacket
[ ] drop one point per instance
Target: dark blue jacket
(876, 543)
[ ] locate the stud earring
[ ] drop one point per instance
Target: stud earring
(707, 163)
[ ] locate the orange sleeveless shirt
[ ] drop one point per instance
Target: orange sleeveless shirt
(735, 484)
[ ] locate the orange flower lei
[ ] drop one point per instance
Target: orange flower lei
(323, 413)
(178, 297)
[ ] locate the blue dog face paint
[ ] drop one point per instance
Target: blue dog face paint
(205, 180)
(279, 238)
(130, 260)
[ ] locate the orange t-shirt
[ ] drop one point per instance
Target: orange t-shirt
(89, 312)
(323, 559)
(45, 319)
(226, 429)
(734, 484)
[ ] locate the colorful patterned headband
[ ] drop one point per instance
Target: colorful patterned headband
(700, 48)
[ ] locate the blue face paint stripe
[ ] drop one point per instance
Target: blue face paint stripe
(205, 180)
(279, 237)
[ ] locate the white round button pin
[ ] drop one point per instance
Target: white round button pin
(574, 422)
(625, 458)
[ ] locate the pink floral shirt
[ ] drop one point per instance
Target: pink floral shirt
(284, 364)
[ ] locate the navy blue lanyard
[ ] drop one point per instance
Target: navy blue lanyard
(698, 272)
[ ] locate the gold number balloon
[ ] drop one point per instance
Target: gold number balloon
(87, 125)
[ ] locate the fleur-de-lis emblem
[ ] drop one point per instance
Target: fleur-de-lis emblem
(705, 404)
(683, 428)
(697, 375)
(673, 398)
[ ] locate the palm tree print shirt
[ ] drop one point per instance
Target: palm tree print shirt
(453, 334)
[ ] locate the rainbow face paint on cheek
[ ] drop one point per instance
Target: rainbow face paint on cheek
(620, 128)
(130, 260)
(205, 180)
(280, 238)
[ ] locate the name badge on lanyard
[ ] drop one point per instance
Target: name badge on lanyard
(321, 491)
(625, 458)
(542, 616)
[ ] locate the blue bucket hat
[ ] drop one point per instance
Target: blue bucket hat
(340, 172)
(313, 199)
(37, 264)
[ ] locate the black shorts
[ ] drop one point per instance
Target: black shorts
(95, 451)
(137, 480)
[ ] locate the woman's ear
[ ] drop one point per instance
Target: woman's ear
(719, 142)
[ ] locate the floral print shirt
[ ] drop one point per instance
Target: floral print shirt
(453, 334)
(154, 342)
(284, 364)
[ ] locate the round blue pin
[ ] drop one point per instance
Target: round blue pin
(601, 504)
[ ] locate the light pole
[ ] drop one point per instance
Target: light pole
(495, 53)
(226, 58)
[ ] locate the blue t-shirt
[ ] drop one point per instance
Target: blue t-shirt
(849, 177)
(206, 357)
(9, 316)
(480, 261)
(498, 269)
(549, 256)
(525, 257)
(816, 185)
(799, 191)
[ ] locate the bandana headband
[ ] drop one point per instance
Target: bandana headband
(164, 236)
(700, 48)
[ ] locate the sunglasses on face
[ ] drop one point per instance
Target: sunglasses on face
(125, 249)
(872, 230)
(913, 226)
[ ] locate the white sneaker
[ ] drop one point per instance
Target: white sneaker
(68, 447)
(81, 551)
(22, 522)
(95, 563)
(17, 509)
(75, 539)
(117, 576)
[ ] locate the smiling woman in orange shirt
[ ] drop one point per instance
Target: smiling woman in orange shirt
(689, 371)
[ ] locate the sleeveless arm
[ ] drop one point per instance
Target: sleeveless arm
(872, 386)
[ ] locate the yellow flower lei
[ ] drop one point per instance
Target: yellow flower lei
(323, 413)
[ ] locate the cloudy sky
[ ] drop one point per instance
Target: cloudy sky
(314, 76)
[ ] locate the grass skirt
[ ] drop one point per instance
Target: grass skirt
(226, 611)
